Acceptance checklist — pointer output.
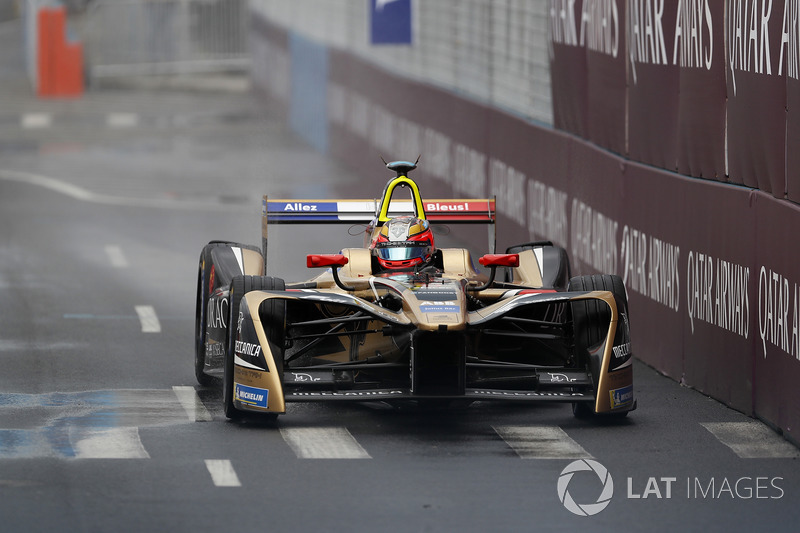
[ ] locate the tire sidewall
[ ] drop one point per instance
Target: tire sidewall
(200, 319)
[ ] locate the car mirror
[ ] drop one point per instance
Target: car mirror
(317, 260)
(496, 260)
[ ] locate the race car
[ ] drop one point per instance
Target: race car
(400, 320)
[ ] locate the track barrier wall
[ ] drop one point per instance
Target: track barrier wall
(711, 265)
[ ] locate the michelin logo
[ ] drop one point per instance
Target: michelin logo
(621, 397)
(251, 395)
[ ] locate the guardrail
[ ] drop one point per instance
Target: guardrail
(133, 37)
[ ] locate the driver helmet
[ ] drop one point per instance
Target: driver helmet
(403, 242)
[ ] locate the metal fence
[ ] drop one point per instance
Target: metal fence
(492, 50)
(130, 37)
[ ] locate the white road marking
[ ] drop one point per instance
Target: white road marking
(148, 318)
(122, 120)
(31, 121)
(79, 193)
(116, 256)
(86, 424)
(541, 442)
(107, 443)
(752, 440)
(222, 473)
(323, 443)
(192, 404)
(62, 187)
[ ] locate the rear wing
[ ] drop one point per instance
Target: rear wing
(374, 213)
(450, 211)
(316, 211)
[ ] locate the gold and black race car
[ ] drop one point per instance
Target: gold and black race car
(401, 320)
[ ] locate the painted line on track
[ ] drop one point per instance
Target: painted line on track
(115, 255)
(222, 473)
(31, 121)
(122, 120)
(192, 404)
(752, 440)
(92, 316)
(72, 442)
(148, 318)
(107, 443)
(79, 193)
(323, 443)
(94, 424)
(541, 442)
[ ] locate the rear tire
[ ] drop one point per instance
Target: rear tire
(241, 285)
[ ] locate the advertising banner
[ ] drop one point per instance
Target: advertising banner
(650, 263)
(602, 33)
(793, 130)
(568, 74)
(699, 51)
(756, 94)
(776, 314)
(588, 71)
(528, 167)
(718, 236)
(653, 80)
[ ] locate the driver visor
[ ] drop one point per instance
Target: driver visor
(401, 251)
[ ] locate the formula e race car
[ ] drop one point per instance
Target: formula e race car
(401, 320)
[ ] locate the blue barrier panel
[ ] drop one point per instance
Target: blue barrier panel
(308, 110)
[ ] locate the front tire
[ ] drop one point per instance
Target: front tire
(582, 410)
(241, 285)
(590, 325)
(200, 321)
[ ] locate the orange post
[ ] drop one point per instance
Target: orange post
(72, 77)
(60, 63)
(44, 58)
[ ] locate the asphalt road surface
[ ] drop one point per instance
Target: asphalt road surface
(105, 204)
